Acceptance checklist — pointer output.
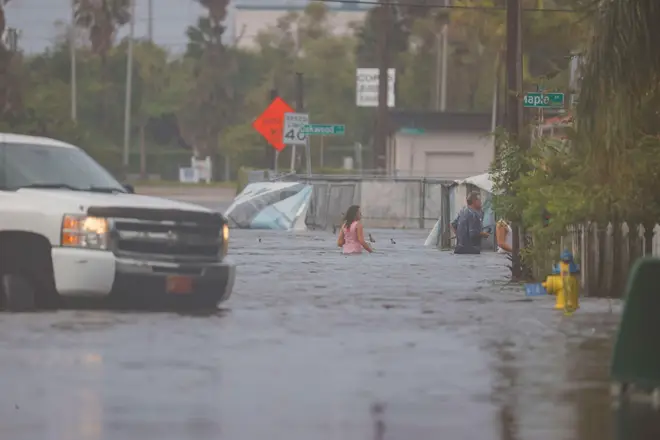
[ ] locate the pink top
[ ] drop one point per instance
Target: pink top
(351, 243)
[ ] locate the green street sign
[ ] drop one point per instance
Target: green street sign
(324, 129)
(408, 130)
(544, 100)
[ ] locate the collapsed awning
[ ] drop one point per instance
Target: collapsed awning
(271, 205)
(481, 181)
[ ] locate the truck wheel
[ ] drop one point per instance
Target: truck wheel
(19, 293)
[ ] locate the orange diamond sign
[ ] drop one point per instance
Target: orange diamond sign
(271, 123)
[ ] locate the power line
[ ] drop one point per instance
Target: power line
(376, 3)
(442, 6)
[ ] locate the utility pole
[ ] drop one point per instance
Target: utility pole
(150, 20)
(445, 49)
(129, 90)
(12, 39)
(300, 108)
(514, 106)
(496, 92)
(74, 74)
(382, 127)
(438, 69)
(269, 152)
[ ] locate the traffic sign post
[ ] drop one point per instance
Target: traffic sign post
(293, 134)
(293, 128)
(324, 129)
(270, 123)
(544, 100)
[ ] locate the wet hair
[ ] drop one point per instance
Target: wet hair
(351, 215)
(472, 197)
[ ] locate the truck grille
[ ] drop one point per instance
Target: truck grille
(167, 240)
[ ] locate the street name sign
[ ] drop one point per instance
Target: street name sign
(544, 100)
(409, 130)
(325, 129)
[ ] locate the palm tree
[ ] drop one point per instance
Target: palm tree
(2, 16)
(621, 67)
(9, 82)
(617, 117)
(617, 113)
(102, 19)
(212, 95)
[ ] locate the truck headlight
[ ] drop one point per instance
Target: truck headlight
(85, 232)
(225, 239)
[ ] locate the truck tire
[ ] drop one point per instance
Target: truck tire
(19, 293)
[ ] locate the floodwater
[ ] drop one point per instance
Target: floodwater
(407, 343)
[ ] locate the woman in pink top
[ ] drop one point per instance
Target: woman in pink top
(351, 235)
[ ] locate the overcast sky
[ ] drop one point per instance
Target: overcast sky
(36, 19)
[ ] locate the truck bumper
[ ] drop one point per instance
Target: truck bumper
(82, 272)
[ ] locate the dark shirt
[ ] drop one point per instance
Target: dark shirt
(468, 225)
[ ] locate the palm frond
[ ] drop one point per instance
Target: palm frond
(621, 66)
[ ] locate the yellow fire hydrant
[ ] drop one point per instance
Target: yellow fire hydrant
(564, 283)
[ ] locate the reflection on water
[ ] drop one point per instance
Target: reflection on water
(90, 424)
(312, 340)
(378, 416)
(506, 376)
(588, 370)
(560, 389)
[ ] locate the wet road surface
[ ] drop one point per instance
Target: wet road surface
(407, 343)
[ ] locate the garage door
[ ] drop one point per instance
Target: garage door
(450, 164)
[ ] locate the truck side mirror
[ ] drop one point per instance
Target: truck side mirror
(129, 188)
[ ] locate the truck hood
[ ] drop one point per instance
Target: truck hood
(67, 201)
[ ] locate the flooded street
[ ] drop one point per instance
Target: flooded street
(407, 343)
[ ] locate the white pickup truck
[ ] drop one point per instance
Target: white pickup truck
(68, 228)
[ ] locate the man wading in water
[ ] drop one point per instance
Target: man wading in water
(468, 227)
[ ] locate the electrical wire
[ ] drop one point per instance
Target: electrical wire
(439, 6)
(414, 4)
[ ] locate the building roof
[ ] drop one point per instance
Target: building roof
(441, 121)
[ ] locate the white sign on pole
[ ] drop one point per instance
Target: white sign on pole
(293, 125)
(203, 168)
(188, 175)
(366, 90)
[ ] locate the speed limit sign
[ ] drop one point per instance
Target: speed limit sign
(293, 128)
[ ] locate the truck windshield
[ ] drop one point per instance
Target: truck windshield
(48, 166)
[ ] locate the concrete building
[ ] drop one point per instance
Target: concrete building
(440, 144)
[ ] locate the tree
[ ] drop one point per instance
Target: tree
(3, 23)
(208, 108)
(161, 86)
(9, 81)
(102, 19)
(618, 108)
(279, 50)
(304, 42)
